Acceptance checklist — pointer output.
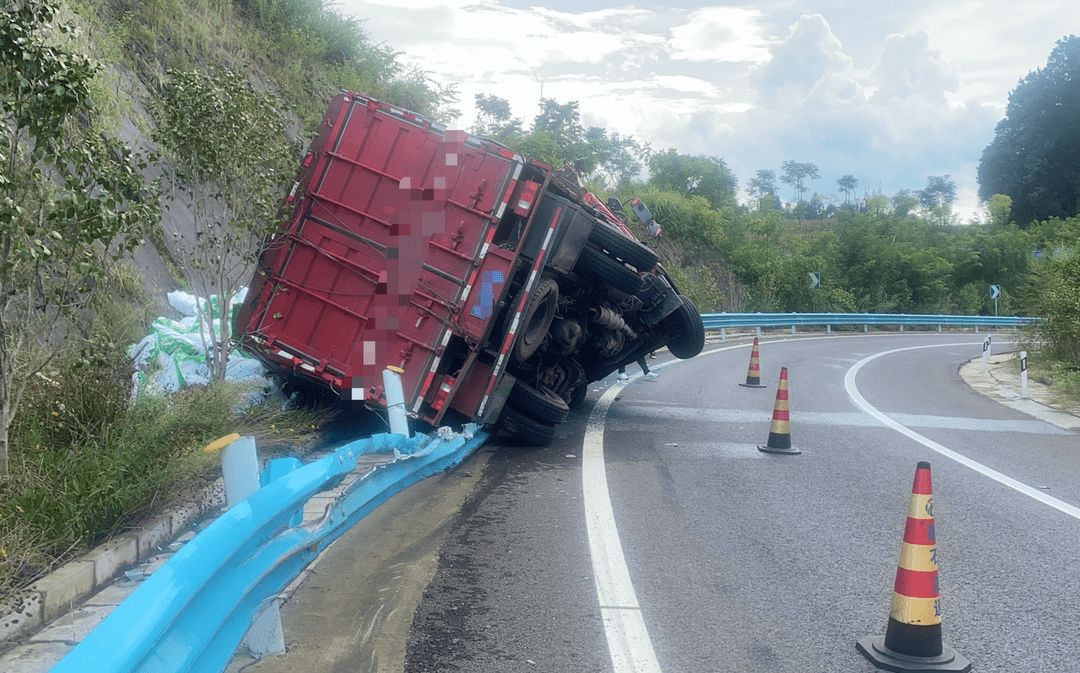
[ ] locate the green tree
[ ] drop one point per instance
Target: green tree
(1034, 157)
(231, 164)
(1057, 303)
(938, 197)
(848, 184)
(999, 207)
(495, 119)
(763, 189)
(796, 174)
(904, 203)
(707, 177)
(71, 200)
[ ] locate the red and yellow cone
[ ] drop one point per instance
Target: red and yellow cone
(753, 374)
(912, 640)
(780, 430)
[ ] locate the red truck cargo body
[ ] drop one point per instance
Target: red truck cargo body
(387, 256)
(500, 287)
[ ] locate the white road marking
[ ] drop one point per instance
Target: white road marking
(628, 639)
(632, 412)
(860, 401)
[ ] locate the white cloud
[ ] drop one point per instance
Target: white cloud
(908, 67)
(726, 34)
(808, 53)
(755, 84)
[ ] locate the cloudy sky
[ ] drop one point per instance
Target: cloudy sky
(890, 92)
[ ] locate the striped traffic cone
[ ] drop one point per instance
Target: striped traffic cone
(753, 374)
(912, 640)
(780, 430)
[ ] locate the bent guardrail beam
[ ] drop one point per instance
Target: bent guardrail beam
(193, 612)
(715, 321)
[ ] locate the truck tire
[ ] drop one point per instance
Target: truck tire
(611, 271)
(689, 331)
(536, 320)
(542, 404)
(526, 428)
(577, 396)
(621, 247)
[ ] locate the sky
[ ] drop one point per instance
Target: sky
(890, 93)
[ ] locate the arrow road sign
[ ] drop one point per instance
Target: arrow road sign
(995, 291)
(815, 280)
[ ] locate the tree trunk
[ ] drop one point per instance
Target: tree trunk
(5, 422)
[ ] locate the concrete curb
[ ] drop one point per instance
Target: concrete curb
(62, 590)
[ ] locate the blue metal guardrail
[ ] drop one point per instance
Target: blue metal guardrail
(715, 321)
(193, 612)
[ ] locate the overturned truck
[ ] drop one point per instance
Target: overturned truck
(497, 285)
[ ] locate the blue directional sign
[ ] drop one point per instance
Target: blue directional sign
(995, 291)
(815, 280)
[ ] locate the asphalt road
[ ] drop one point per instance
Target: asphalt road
(719, 557)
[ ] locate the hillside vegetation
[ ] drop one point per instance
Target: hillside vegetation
(99, 189)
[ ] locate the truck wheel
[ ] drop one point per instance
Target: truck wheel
(621, 247)
(536, 320)
(525, 428)
(542, 404)
(611, 271)
(689, 331)
(577, 396)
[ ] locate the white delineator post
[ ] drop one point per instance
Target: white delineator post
(240, 472)
(986, 352)
(1023, 375)
(395, 400)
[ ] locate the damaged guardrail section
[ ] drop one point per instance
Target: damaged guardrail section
(192, 613)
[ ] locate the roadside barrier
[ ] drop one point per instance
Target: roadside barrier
(723, 321)
(912, 640)
(193, 612)
(780, 430)
(753, 372)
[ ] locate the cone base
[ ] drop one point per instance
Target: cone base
(789, 450)
(873, 648)
(752, 385)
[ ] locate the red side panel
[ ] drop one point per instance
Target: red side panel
(383, 255)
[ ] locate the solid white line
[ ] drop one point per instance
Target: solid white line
(628, 639)
(853, 392)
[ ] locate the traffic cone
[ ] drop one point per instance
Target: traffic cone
(780, 430)
(912, 640)
(753, 374)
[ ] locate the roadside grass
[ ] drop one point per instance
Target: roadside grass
(87, 464)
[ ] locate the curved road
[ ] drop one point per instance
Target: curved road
(743, 561)
(654, 536)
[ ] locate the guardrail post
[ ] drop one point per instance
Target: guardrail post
(939, 328)
(758, 330)
(865, 328)
(395, 400)
(828, 329)
(240, 472)
(901, 327)
(976, 329)
(723, 334)
(793, 329)
(1023, 375)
